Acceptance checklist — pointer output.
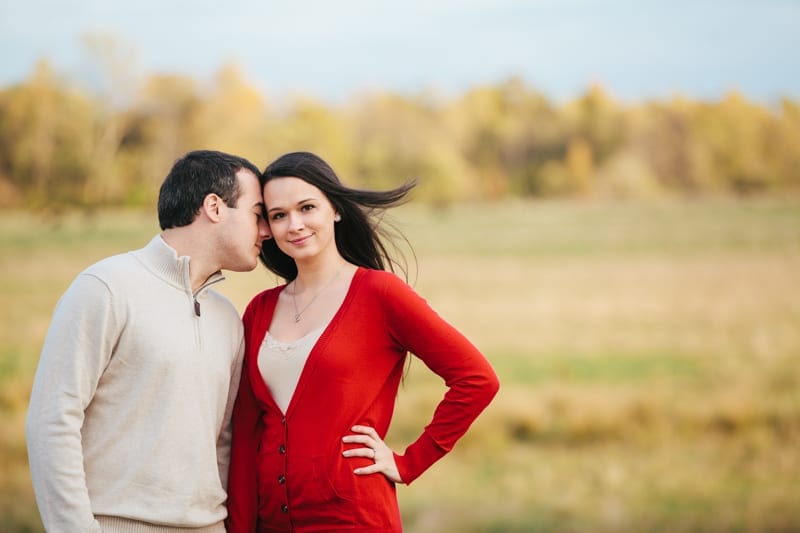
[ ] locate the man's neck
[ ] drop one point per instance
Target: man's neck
(185, 243)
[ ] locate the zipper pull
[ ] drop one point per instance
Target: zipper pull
(196, 307)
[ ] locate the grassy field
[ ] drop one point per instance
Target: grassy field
(649, 356)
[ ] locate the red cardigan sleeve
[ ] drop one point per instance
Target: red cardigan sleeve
(471, 381)
(242, 481)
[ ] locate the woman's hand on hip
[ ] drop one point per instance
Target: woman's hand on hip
(375, 449)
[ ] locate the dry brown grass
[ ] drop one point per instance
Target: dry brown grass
(649, 358)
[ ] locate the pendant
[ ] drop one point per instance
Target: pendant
(296, 317)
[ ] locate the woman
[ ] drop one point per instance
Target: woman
(324, 357)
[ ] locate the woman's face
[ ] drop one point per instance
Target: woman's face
(301, 218)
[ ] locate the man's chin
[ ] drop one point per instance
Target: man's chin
(244, 267)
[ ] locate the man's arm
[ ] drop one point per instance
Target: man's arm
(78, 346)
(224, 440)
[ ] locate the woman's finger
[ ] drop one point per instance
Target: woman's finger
(369, 453)
(367, 470)
(366, 430)
(367, 441)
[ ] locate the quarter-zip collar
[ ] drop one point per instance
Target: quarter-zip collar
(161, 259)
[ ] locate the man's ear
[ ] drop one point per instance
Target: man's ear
(212, 205)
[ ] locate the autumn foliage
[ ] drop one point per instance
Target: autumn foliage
(63, 145)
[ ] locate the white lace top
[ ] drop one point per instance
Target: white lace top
(281, 364)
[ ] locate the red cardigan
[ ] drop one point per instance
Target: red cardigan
(287, 472)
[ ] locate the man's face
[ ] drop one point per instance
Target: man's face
(244, 226)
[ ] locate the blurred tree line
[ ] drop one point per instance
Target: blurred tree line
(63, 146)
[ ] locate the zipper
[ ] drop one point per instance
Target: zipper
(198, 291)
(196, 303)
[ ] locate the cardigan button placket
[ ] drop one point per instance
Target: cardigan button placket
(282, 476)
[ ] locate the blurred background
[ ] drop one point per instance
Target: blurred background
(609, 207)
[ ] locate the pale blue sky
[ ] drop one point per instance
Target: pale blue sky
(334, 49)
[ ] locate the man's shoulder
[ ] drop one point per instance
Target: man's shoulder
(223, 302)
(107, 276)
(113, 267)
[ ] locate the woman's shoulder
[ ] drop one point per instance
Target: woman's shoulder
(380, 278)
(267, 294)
(383, 281)
(263, 298)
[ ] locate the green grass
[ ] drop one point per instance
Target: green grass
(649, 356)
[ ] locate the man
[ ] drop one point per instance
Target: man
(129, 421)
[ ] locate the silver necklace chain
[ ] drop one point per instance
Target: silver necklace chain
(311, 301)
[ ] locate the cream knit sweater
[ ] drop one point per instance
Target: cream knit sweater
(129, 419)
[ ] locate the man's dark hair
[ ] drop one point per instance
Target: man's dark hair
(195, 176)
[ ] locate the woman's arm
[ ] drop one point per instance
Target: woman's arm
(471, 381)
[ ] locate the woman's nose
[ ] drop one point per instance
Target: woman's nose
(295, 221)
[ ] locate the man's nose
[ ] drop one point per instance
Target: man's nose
(263, 230)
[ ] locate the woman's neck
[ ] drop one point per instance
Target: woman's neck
(313, 275)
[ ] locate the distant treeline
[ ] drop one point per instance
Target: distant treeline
(65, 146)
